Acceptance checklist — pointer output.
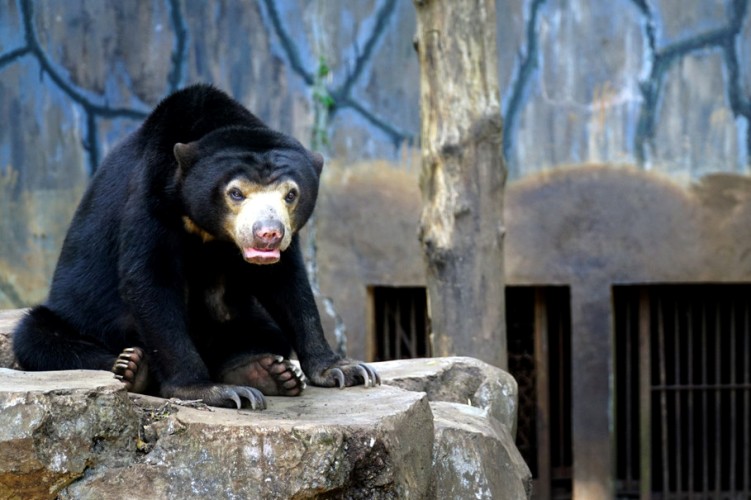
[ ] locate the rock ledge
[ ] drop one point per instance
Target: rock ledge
(445, 432)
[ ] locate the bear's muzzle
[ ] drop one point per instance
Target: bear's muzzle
(267, 239)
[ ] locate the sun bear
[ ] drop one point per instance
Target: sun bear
(182, 270)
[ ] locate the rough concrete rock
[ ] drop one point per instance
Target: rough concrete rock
(78, 434)
(55, 425)
(8, 320)
(353, 443)
(474, 456)
(457, 380)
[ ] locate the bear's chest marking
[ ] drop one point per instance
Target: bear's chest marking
(193, 228)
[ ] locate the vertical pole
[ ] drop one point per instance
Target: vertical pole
(664, 423)
(398, 332)
(413, 333)
(733, 396)
(645, 398)
(388, 319)
(627, 344)
(747, 399)
(677, 421)
(704, 416)
(592, 426)
(718, 406)
(542, 389)
(691, 471)
(370, 325)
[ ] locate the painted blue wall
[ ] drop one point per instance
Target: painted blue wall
(661, 84)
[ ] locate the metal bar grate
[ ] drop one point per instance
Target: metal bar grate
(401, 323)
(696, 400)
(538, 323)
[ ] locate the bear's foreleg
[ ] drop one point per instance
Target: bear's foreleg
(289, 300)
(152, 285)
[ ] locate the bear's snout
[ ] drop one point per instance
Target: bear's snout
(267, 234)
(261, 226)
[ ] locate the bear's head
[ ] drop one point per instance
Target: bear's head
(252, 186)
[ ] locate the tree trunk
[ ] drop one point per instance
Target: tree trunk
(462, 179)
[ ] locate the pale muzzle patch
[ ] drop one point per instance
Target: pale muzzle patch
(260, 220)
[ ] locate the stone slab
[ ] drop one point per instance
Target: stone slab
(79, 434)
(8, 320)
(355, 443)
(457, 379)
(474, 456)
(54, 426)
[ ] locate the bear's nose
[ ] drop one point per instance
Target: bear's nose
(268, 233)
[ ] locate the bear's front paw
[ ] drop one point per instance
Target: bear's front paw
(345, 373)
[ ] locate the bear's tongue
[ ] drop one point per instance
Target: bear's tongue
(258, 256)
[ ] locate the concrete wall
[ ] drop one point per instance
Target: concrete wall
(76, 76)
(661, 84)
(588, 227)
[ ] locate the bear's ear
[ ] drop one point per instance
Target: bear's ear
(186, 154)
(317, 161)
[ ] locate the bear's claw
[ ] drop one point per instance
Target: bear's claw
(257, 401)
(271, 374)
(348, 373)
(131, 369)
(369, 375)
(299, 375)
(339, 377)
(217, 395)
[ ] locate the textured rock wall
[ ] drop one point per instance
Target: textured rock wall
(660, 84)
(75, 77)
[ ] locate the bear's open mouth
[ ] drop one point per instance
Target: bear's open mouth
(261, 256)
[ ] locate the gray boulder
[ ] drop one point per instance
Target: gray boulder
(474, 456)
(458, 379)
(353, 443)
(8, 320)
(78, 434)
(437, 428)
(56, 426)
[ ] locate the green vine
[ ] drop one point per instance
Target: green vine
(323, 107)
(323, 103)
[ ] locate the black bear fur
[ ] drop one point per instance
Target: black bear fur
(131, 274)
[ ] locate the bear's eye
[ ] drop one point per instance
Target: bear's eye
(291, 196)
(236, 194)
